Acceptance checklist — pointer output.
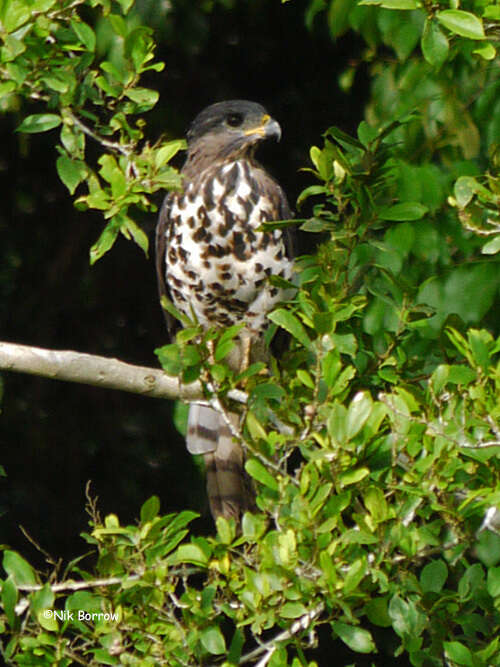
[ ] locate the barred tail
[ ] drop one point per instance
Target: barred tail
(228, 489)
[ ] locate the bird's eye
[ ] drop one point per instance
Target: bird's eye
(234, 119)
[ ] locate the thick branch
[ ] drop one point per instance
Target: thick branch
(98, 371)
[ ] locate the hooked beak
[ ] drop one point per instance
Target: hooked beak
(267, 129)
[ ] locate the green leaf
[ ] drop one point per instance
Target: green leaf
(400, 4)
(480, 342)
(253, 526)
(403, 211)
(464, 190)
(85, 33)
(226, 529)
(181, 411)
(376, 611)
(461, 23)
(14, 13)
(226, 342)
(288, 321)
(191, 553)
(376, 503)
(167, 152)
(170, 358)
(293, 610)
(237, 643)
(487, 51)
(40, 602)
(213, 640)
(493, 582)
(119, 24)
(353, 476)
(97, 198)
(357, 413)
(366, 133)
(345, 343)
(20, 570)
(337, 423)
(357, 639)
(39, 122)
(60, 82)
(105, 241)
(315, 225)
(113, 174)
(12, 48)
(461, 374)
(259, 472)
(392, 4)
(458, 654)
(492, 247)
(150, 509)
(433, 576)
(6, 88)
(47, 620)
(131, 229)
(125, 5)
(311, 191)
(71, 172)
(9, 600)
(355, 575)
(305, 378)
(138, 46)
(177, 314)
(107, 87)
(435, 46)
(143, 96)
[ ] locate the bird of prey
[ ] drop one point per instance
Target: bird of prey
(214, 262)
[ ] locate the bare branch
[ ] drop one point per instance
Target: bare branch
(270, 646)
(97, 371)
(80, 585)
(112, 145)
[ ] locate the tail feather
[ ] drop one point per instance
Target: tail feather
(228, 489)
(202, 429)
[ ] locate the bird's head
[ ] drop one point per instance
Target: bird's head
(232, 128)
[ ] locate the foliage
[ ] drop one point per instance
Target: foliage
(88, 82)
(374, 444)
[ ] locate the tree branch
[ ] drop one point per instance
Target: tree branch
(97, 371)
(270, 646)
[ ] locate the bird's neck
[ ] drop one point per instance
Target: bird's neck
(202, 157)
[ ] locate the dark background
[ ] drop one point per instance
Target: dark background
(56, 436)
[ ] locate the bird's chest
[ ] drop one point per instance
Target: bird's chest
(217, 262)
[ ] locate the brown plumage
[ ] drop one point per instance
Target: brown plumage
(214, 263)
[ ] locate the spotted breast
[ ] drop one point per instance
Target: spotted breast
(218, 262)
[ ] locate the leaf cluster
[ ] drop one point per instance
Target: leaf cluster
(88, 80)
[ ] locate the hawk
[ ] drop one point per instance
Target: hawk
(214, 263)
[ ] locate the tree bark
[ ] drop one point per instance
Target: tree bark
(69, 366)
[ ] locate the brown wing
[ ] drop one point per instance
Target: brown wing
(161, 250)
(281, 209)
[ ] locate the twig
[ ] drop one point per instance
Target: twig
(269, 647)
(217, 405)
(70, 366)
(482, 445)
(112, 145)
(79, 585)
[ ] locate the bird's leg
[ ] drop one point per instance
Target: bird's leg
(246, 348)
(211, 351)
